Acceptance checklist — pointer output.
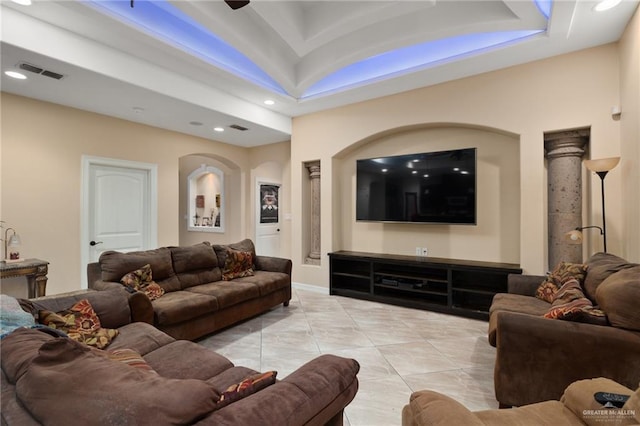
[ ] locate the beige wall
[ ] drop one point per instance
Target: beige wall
(42, 146)
(630, 136)
(569, 91)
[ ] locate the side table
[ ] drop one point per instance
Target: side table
(34, 269)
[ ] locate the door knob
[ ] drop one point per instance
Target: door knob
(95, 243)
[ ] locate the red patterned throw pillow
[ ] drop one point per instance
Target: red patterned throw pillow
(80, 323)
(238, 264)
(130, 358)
(570, 303)
(246, 387)
(556, 279)
(142, 280)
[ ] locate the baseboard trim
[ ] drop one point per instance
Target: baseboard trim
(309, 287)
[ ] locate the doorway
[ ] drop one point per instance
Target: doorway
(119, 208)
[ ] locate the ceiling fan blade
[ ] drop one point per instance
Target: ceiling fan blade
(233, 4)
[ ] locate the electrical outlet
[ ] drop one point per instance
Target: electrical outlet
(418, 251)
(424, 251)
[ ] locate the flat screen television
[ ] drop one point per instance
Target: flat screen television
(430, 187)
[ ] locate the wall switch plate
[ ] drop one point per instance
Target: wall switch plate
(418, 251)
(424, 251)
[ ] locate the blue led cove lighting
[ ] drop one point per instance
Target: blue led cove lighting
(163, 21)
(413, 58)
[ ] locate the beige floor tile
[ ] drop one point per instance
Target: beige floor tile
(400, 350)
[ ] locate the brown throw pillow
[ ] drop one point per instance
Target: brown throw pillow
(246, 387)
(80, 323)
(142, 280)
(237, 265)
(560, 275)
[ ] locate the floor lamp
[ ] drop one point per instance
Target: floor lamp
(601, 167)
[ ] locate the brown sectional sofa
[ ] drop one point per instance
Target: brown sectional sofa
(197, 301)
(537, 357)
(48, 379)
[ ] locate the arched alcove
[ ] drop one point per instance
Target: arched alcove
(495, 237)
(218, 182)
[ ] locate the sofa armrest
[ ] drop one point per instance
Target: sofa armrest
(312, 395)
(433, 408)
(139, 304)
(273, 264)
(537, 358)
(579, 396)
(524, 284)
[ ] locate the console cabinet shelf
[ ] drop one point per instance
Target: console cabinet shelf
(460, 287)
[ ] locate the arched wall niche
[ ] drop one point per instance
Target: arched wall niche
(218, 182)
(496, 237)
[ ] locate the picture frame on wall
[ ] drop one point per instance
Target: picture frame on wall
(269, 203)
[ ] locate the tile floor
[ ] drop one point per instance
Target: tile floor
(400, 350)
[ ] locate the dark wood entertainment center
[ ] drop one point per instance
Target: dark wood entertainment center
(459, 287)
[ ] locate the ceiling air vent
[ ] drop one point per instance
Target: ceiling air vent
(37, 70)
(238, 127)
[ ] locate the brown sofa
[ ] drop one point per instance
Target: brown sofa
(197, 301)
(576, 407)
(47, 379)
(537, 357)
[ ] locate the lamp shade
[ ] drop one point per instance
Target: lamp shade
(602, 164)
(573, 237)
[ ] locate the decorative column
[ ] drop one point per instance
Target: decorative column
(313, 257)
(564, 151)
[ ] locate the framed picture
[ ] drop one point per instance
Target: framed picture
(269, 203)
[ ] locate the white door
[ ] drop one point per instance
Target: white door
(268, 217)
(119, 208)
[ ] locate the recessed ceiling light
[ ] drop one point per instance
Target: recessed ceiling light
(385, 170)
(606, 5)
(22, 2)
(425, 175)
(138, 110)
(195, 123)
(218, 129)
(269, 102)
(16, 74)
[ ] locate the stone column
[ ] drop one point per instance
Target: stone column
(564, 151)
(314, 175)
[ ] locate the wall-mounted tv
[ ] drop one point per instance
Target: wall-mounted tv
(430, 187)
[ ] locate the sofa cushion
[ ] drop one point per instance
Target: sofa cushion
(142, 280)
(238, 264)
(267, 282)
(179, 306)
(563, 272)
(228, 293)
(204, 363)
(618, 295)
(115, 265)
(195, 265)
(18, 349)
(66, 372)
(141, 337)
(80, 323)
(601, 265)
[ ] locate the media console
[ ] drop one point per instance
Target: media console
(459, 287)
